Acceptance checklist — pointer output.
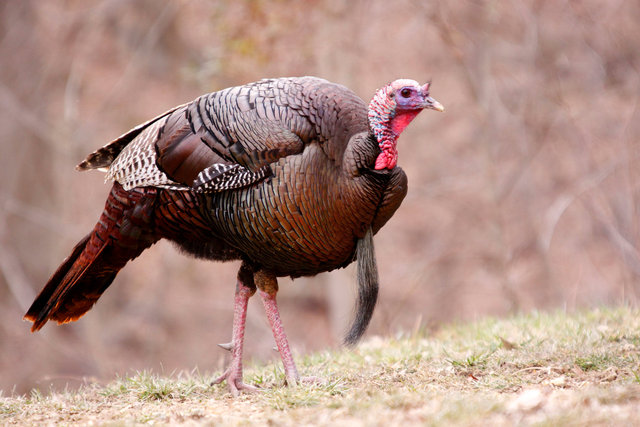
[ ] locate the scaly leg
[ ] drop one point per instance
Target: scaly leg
(271, 308)
(268, 288)
(233, 373)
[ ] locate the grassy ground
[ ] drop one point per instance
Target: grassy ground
(542, 369)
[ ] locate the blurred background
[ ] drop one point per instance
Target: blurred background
(523, 195)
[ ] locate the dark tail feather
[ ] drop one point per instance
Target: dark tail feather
(122, 233)
(51, 303)
(367, 289)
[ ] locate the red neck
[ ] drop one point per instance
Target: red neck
(402, 120)
(388, 139)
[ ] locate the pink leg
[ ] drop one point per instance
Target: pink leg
(233, 374)
(271, 307)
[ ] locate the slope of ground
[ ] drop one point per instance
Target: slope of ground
(552, 369)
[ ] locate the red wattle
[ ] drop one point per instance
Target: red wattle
(387, 159)
(391, 162)
(381, 161)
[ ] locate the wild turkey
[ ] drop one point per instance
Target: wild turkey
(292, 176)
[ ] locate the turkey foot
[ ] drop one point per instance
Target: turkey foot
(233, 374)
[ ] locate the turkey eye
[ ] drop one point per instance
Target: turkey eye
(406, 92)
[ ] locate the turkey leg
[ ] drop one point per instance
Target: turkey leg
(271, 308)
(233, 374)
(268, 288)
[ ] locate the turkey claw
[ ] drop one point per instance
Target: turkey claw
(235, 383)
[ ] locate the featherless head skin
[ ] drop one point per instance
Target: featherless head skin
(392, 108)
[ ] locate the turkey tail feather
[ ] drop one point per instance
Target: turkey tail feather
(41, 307)
(122, 233)
(367, 288)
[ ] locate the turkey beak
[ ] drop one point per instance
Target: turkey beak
(431, 103)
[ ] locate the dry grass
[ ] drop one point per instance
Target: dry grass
(543, 369)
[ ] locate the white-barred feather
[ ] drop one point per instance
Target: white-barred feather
(136, 166)
(222, 177)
